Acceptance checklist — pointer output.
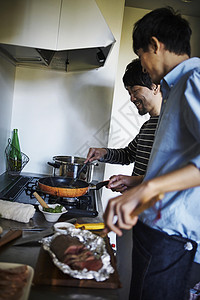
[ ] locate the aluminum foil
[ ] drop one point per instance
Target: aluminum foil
(94, 243)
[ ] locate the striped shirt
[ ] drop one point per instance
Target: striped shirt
(138, 150)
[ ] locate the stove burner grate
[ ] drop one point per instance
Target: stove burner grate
(70, 200)
(82, 206)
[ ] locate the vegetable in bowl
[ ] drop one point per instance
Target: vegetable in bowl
(57, 209)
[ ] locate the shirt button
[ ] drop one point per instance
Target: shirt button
(188, 246)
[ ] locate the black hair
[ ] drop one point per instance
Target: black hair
(167, 26)
(135, 76)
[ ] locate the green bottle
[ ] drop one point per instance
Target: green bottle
(15, 156)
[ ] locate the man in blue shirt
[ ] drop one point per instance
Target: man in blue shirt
(166, 238)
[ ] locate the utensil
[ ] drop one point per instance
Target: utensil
(34, 237)
(40, 200)
(9, 236)
(60, 186)
(32, 229)
(81, 169)
(79, 172)
(90, 226)
(36, 228)
(146, 204)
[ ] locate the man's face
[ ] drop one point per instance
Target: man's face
(151, 63)
(141, 96)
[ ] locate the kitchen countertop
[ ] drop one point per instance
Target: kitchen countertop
(26, 254)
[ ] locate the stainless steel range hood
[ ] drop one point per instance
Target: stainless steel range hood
(66, 60)
(66, 35)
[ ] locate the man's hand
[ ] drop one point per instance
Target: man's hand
(124, 205)
(121, 183)
(95, 154)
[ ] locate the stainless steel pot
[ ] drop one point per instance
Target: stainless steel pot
(69, 166)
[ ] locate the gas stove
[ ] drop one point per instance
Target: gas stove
(20, 188)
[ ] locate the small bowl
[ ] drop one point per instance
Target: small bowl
(52, 217)
(62, 226)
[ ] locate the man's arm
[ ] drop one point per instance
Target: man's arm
(124, 205)
(122, 156)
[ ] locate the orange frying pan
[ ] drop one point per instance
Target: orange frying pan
(62, 187)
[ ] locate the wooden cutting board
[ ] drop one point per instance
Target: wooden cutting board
(46, 273)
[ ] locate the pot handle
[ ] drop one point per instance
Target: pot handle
(55, 165)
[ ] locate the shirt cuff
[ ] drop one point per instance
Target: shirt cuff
(102, 159)
(196, 161)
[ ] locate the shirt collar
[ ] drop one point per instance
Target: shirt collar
(175, 74)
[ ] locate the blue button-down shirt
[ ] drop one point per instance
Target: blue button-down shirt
(176, 144)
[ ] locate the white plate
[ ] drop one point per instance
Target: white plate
(26, 289)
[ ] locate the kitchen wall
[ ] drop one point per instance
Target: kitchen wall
(63, 113)
(7, 76)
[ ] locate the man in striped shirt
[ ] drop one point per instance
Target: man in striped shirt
(147, 98)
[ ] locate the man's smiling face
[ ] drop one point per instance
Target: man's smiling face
(141, 96)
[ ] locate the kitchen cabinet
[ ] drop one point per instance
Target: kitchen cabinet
(22, 23)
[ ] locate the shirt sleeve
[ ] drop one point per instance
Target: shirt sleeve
(192, 112)
(123, 156)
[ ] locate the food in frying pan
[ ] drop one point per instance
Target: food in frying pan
(72, 252)
(12, 282)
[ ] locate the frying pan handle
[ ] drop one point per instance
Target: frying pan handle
(55, 165)
(99, 185)
(79, 213)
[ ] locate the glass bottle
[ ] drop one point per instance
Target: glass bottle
(15, 156)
